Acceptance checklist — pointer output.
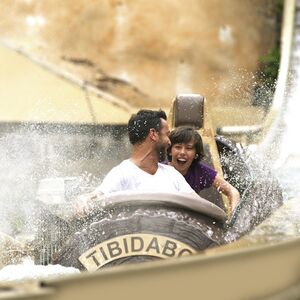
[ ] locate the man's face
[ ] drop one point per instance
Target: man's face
(164, 141)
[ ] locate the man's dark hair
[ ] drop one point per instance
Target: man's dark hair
(140, 124)
(184, 135)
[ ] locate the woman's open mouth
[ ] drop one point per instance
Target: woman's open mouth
(181, 161)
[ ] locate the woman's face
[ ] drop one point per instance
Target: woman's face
(183, 155)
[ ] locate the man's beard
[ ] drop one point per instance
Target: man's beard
(161, 152)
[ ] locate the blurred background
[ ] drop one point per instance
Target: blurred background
(144, 52)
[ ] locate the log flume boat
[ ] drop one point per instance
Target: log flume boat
(131, 227)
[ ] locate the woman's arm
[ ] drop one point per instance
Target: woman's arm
(228, 190)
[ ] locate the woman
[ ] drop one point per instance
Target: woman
(185, 155)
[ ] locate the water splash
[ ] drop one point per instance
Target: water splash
(32, 152)
(261, 195)
(27, 270)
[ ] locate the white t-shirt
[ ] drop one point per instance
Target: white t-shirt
(128, 176)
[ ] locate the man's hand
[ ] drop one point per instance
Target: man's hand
(84, 204)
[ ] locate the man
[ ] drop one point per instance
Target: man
(148, 132)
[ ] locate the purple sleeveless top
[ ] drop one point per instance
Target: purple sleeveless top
(200, 176)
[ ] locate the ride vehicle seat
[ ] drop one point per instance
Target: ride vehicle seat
(190, 110)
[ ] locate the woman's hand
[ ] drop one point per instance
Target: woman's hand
(228, 190)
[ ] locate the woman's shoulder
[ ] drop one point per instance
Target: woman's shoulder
(203, 168)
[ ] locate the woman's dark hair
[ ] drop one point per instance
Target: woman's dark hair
(140, 124)
(184, 135)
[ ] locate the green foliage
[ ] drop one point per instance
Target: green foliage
(269, 63)
(278, 7)
(269, 67)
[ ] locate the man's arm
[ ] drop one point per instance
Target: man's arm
(111, 183)
(85, 203)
